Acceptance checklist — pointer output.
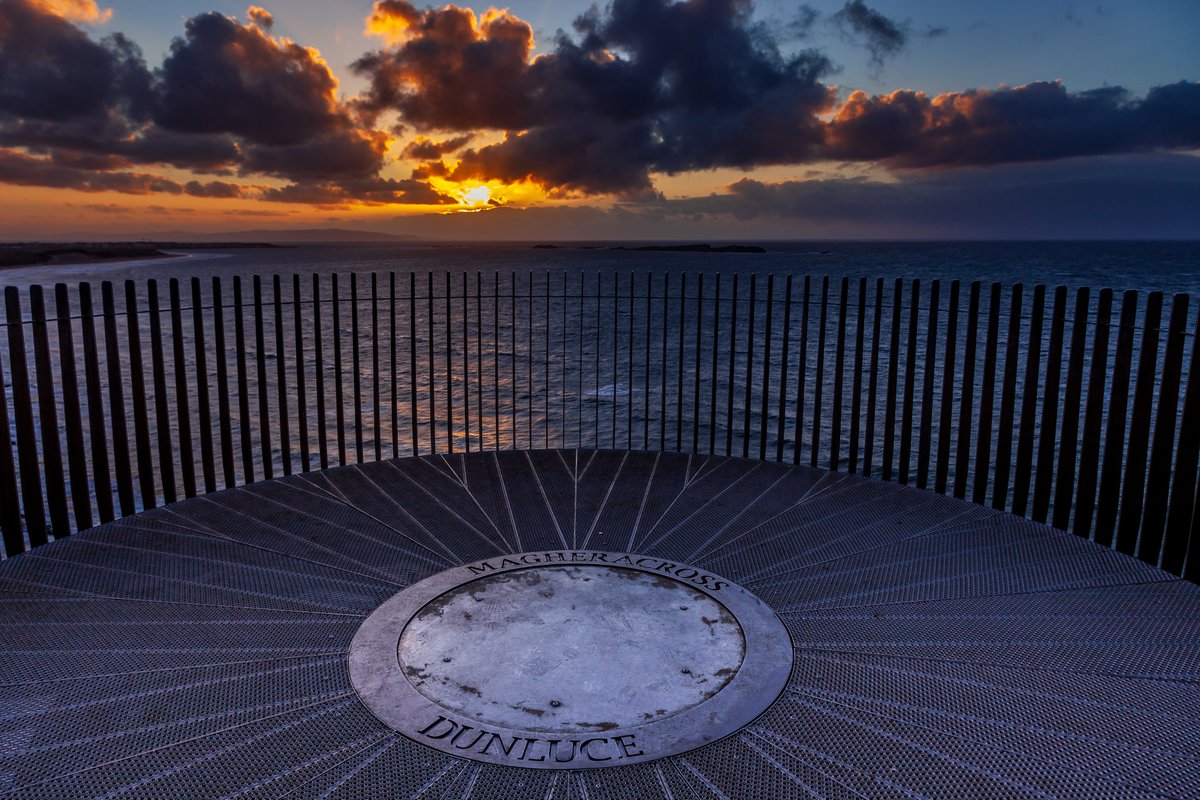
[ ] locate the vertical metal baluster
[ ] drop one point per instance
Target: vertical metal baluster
(629, 374)
(1048, 442)
(1008, 395)
(376, 397)
(162, 414)
(616, 347)
(355, 362)
(646, 361)
(512, 348)
(10, 502)
(449, 368)
(1089, 454)
(946, 410)
(285, 438)
(28, 454)
(748, 403)
(466, 363)
(910, 376)
(1069, 433)
(430, 369)
(301, 383)
(1176, 547)
(122, 466)
(137, 390)
(203, 396)
(54, 474)
(839, 379)
(696, 361)
(339, 387)
(412, 362)
(1158, 477)
(81, 493)
(496, 356)
(764, 411)
(394, 351)
(1029, 395)
(713, 384)
(102, 477)
(225, 423)
(732, 366)
(679, 363)
(860, 331)
(781, 430)
(1114, 432)
(893, 391)
(529, 357)
(987, 400)
(802, 373)
(1134, 485)
(479, 354)
(183, 422)
(319, 375)
(925, 441)
(596, 365)
(819, 387)
(264, 406)
(966, 408)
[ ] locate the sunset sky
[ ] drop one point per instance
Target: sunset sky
(639, 119)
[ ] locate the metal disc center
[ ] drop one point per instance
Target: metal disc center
(570, 659)
(571, 649)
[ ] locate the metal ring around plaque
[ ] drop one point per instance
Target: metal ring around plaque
(570, 659)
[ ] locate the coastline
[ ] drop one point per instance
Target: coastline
(14, 257)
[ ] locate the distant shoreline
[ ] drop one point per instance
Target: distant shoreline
(53, 255)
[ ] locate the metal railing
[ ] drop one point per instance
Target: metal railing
(1083, 411)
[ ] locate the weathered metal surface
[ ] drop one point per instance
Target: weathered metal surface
(940, 649)
(574, 659)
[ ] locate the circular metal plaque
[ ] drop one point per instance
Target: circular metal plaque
(570, 659)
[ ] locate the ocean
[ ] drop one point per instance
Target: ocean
(1169, 267)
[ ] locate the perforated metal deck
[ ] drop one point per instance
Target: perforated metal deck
(941, 650)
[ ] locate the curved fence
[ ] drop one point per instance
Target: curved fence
(1077, 408)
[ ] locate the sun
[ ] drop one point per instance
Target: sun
(475, 196)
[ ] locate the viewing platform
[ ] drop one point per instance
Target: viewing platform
(573, 623)
(598, 535)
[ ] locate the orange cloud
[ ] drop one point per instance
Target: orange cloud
(75, 10)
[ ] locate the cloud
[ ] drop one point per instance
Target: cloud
(882, 37)
(225, 77)
(449, 69)
(75, 10)
(370, 191)
(51, 71)
(1036, 122)
(219, 189)
(23, 170)
(1117, 196)
(1111, 197)
(429, 149)
(653, 86)
(229, 99)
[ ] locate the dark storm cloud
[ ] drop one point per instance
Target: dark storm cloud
(51, 70)
(882, 37)
(225, 77)
(1036, 122)
(229, 99)
(649, 85)
(219, 189)
(1155, 195)
(23, 170)
(428, 149)
(372, 191)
